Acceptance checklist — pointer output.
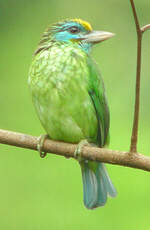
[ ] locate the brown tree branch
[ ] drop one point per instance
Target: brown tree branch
(134, 137)
(122, 158)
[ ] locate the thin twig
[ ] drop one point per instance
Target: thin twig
(145, 28)
(134, 137)
(64, 149)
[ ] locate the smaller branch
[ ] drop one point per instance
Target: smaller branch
(122, 158)
(145, 28)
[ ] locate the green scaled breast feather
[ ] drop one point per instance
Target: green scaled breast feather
(62, 82)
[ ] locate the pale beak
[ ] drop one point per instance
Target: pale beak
(97, 36)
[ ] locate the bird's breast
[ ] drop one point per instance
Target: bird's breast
(59, 85)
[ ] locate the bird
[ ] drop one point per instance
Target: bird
(69, 97)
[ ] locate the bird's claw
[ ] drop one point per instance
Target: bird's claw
(40, 143)
(78, 151)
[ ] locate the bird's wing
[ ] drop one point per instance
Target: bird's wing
(97, 93)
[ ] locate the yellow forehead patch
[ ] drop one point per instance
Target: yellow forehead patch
(86, 25)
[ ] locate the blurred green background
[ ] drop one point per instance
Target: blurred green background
(46, 193)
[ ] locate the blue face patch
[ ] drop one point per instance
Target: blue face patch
(72, 31)
(65, 36)
(63, 33)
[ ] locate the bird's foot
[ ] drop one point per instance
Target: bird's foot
(40, 143)
(78, 151)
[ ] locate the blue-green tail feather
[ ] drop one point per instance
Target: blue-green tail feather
(96, 185)
(111, 191)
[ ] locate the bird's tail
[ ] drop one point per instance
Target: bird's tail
(97, 184)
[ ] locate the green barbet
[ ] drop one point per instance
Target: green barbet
(69, 97)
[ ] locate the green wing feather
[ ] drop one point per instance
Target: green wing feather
(96, 183)
(97, 94)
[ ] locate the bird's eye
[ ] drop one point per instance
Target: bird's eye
(74, 30)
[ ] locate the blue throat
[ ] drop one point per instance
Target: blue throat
(86, 47)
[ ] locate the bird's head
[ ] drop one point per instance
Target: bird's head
(75, 31)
